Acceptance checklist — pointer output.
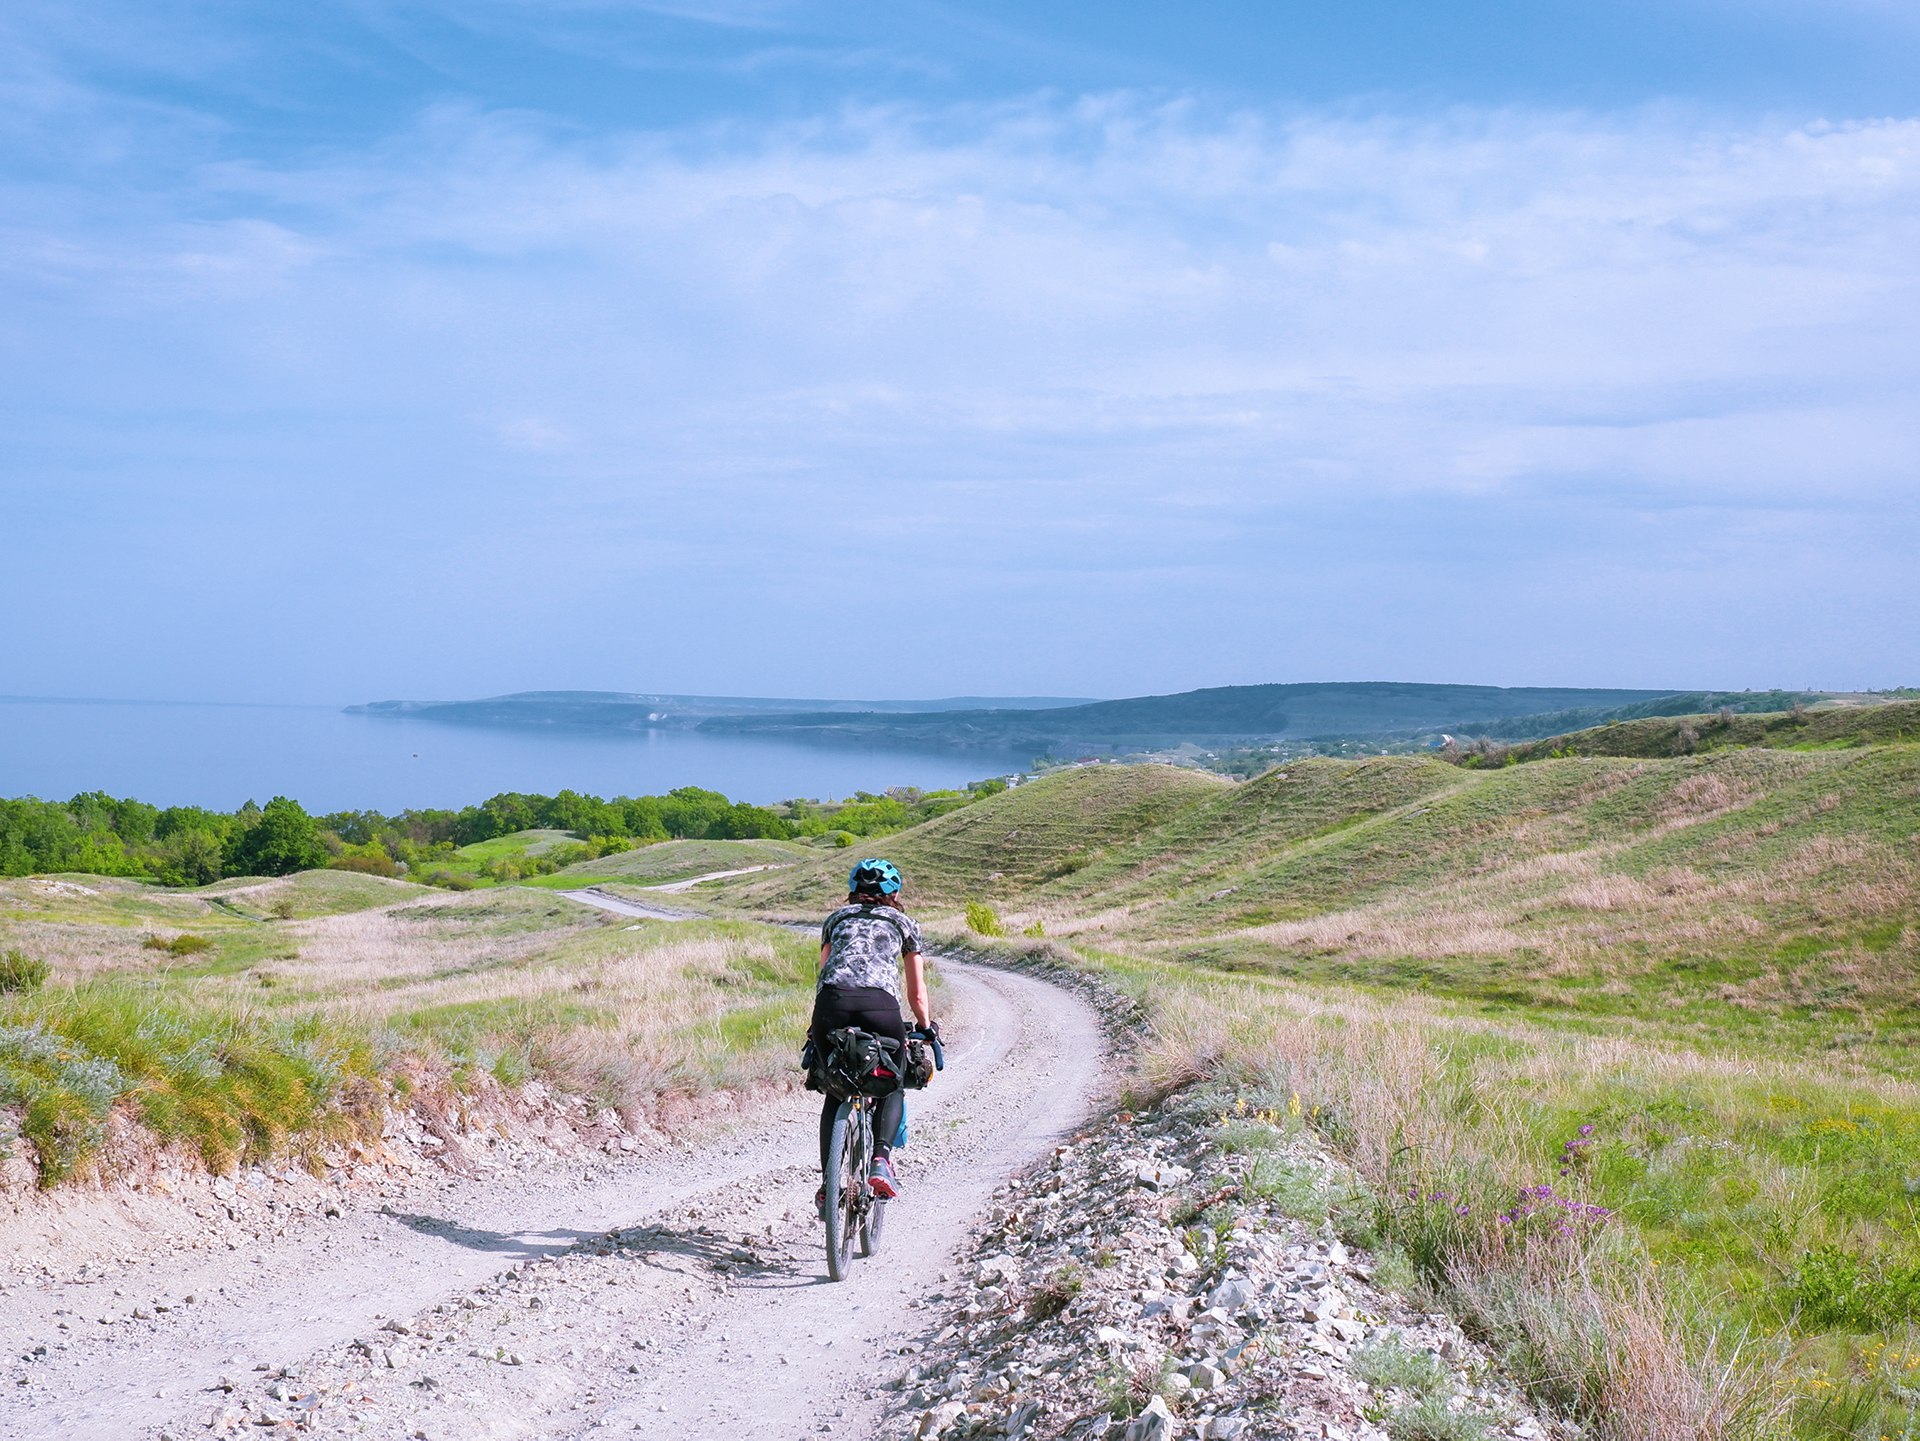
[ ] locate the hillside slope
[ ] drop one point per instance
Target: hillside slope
(1727, 894)
(1012, 841)
(1659, 736)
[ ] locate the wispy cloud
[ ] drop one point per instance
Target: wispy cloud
(1405, 360)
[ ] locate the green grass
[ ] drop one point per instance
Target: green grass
(670, 861)
(1822, 728)
(286, 1035)
(233, 1085)
(1002, 846)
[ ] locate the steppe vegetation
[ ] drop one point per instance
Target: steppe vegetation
(1617, 1029)
(1623, 1045)
(262, 1036)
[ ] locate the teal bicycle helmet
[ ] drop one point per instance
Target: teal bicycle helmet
(873, 874)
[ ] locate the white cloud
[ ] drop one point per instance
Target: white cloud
(1115, 335)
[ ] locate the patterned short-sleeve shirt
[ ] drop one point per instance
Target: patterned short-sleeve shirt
(866, 943)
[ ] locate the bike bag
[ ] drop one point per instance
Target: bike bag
(853, 1062)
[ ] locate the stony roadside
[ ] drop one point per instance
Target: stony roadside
(1140, 1288)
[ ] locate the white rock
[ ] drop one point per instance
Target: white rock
(1205, 1377)
(1223, 1428)
(938, 1420)
(997, 1268)
(1156, 1423)
(1230, 1296)
(1160, 1175)
(1348, 1331)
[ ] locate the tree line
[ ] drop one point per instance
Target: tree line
(188, 845)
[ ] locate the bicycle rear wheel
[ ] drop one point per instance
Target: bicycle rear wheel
(843, 1200)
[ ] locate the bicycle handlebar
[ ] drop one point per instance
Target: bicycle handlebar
(927, 1033)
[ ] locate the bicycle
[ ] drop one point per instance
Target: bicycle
(852, 1208)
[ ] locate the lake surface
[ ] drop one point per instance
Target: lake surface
(222, 755)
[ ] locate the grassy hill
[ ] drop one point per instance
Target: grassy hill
(670, 861)
(1003, 845)
(1678, 992)
(1738, 894)
(1802, 729)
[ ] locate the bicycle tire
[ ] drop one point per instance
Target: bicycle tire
(841, 1217)
(871, 1227)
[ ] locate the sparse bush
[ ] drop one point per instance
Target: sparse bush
(282, 909)
(1036, 929)
(21, 972)
(1052, 1296)
(1393, 1365)
(1431, 1420)
(381, 864)
(982, 920)
(1392, 1271)
(1835, 1290)
(1295, 1187)
(1686, 738)
(65, 1096)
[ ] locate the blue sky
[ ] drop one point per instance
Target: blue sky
(366, 350)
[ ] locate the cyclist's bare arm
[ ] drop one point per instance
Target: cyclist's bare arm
(917, 989)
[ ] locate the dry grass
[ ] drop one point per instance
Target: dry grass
(440, 989)
(1421, 1098)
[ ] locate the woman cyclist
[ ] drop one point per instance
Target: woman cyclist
(863, 946)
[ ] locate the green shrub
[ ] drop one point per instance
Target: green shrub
(1431, 1420)
(21, 972)
(367, 865)
(1835, 1290)
(982, 921)
(1296, 1187)
(65, 1095)
(186, 945)
(1392, 1364)
(1036, 929)
(234, 1087)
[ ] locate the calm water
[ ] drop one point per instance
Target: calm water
(220, 756)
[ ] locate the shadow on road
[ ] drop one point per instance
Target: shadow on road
(767, 1266)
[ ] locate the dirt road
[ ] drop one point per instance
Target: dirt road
(666, 1297)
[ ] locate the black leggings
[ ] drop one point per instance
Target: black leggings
(875, 1011)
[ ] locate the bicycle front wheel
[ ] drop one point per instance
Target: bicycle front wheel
(843, 1199)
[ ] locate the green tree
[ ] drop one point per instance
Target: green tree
(356, 828)
(583, 815)
(190, 858)
(689, 811)
(285, 839)
(643, 817)
(742, 822)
